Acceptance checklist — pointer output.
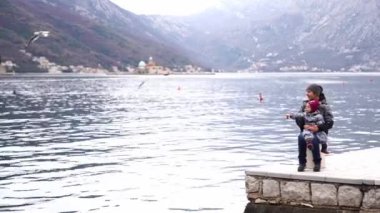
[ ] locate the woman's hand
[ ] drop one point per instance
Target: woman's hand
(312, 128)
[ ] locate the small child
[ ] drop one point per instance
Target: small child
(312, 116)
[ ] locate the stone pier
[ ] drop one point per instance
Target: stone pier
(349, 183)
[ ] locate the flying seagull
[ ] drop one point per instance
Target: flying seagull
(141, 84)
(36, 36)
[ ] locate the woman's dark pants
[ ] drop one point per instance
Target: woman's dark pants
(302, 150)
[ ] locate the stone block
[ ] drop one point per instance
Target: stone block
(372, 199)
(324, 194)
(368, 211)
(253, 195)
(275, 201)
(295, 191)
(260, 201)
(271, 188)
(252, 184)
(349, 196)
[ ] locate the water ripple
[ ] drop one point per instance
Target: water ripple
(89, 144)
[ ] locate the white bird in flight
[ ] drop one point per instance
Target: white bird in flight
(36, 36)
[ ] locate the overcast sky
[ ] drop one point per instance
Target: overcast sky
(165, 7)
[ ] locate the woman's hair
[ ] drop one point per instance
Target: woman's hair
(317, 90)
(322, 96)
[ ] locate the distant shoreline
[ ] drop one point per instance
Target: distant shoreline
(90, 74)
(101, 75)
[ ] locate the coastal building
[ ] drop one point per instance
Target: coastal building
(141, 68)
(130, 69)
(151, 62)
(7, 67)
(152, 68)
(192, 69)
(115, 69)
(2, 69)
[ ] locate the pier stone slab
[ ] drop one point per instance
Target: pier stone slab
(324, 194)
(343, 186)
(349, 196)
(339, 169)
(271, 188)
(372, 199)
(295, 191)
(252, 184)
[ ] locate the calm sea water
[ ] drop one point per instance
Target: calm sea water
(177, 144)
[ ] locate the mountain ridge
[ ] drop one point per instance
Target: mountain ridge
(310, 35)
(88, 33)
(260, 35)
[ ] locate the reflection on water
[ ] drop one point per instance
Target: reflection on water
(103, 144)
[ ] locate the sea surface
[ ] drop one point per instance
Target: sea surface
(162, 143)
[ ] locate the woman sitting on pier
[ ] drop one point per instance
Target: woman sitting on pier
(314, 92)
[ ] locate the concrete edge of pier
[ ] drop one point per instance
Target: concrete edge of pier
(349, 183)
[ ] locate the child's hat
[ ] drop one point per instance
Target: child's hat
(314, 104)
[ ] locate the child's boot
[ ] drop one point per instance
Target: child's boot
(324, 149)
